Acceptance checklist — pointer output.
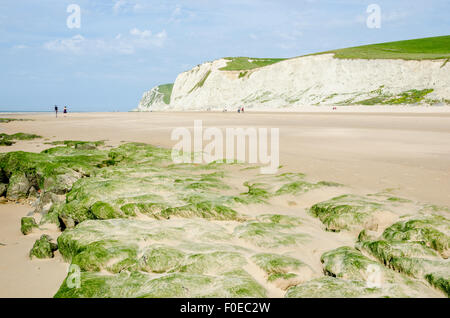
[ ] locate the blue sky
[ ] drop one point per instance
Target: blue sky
(125, 47)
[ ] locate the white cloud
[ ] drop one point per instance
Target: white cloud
(394, 16)
(118, 5)
(121, 44)
(141, 34)
(180, 14)
(73, 44)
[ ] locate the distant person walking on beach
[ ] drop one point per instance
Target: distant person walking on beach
(56, 111)
(242, 109)
(65, 111)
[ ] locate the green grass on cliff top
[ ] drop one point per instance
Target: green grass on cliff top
(418, 49)
(247, 63)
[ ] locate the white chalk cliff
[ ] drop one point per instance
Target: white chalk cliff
(309, 80)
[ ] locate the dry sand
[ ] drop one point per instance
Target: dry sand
(369, 152)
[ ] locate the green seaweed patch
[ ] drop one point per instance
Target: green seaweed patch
(8, 120)
(43, 248)
(160, 259)
(431, 230)
(213, 263)
(332, 287)
(277, 264)
(417, 247)
(269, 234)
(142, 285)
(8, 140)
(107, 254)
(279, 219)
(345, 212)
(27, 224)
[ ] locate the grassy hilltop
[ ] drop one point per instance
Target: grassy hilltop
(418, 49)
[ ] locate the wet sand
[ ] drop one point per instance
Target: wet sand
(20, 276)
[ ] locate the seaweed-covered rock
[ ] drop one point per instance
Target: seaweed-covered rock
(433, 231)
(102, 242)
(3, 188)
(18, 186)
(43, 248)
(137, 284)
(104, 211)
(154, 250)
(283, 271)
(161, 259)
(152, 188)
(53, 170)
(279, 219)
(7, 140)
(52, 216)
(271, 235)
(212, 263)
(46, 200)
(417, 247)
(350, 212)
(349, 264)
(264, 187)
(27, 224)
(332, 287)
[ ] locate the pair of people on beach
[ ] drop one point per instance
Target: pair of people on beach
(64, 111)
(241, 109)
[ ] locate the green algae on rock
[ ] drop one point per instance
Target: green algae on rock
(350, 264)
(27, 224)
(283, 271)
(150, 253)
(18, 186)
(332, 287)
(143, 285)
(417, 247)
(8, 140)
(349, 212)
(53, 170)
(264, 234)
(96, 236)
(43, 248)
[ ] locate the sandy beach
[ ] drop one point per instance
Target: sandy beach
(407, 153)
(372, 151)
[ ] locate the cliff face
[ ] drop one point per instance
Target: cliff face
(311, 80)
(156, 98)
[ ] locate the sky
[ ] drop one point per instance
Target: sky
(123, 48)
